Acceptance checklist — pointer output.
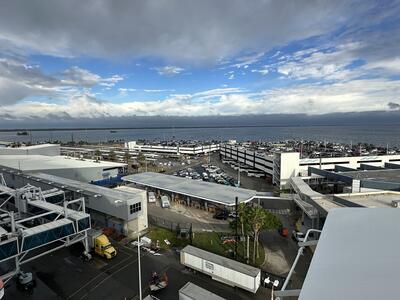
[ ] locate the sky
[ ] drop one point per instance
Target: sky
(96, 59)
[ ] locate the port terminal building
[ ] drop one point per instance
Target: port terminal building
(123, 209)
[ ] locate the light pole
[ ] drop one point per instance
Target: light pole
(274, 283)
(139, 268)
(239, 176)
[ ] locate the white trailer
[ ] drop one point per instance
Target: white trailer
(221, 268)
(190, 291)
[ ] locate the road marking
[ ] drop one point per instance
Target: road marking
(101, 274)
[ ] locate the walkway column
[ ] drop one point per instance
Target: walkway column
(205, 205)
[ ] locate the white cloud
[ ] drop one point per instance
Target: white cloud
(158, 90)
(19, 80)
(356, 95)
(81, 77)
(245, 61)
(143, 29)
(263, 71)
(124, 91)
(169, 70)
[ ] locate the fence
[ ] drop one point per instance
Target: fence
(173, 226)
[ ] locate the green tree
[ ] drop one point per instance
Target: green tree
(97, 154)
(127, 158)
(243, 212)
(112, 156)
(259, 220)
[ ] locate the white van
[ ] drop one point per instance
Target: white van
(151, 197)
(165, 202)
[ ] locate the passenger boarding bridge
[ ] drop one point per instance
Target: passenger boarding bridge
(33, 225)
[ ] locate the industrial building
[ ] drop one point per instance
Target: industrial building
(281, 166)
(124, 210)
(42, 149)
(46, 158)
(72, 168)
(356, 257)
(322, 190)
(191, 191)
(194, 149)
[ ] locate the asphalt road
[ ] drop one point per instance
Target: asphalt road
(62, 275)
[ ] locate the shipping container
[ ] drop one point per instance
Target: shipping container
(221, 268)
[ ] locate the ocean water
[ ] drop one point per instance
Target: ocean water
(380, 135)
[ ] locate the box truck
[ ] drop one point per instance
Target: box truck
(100, 244)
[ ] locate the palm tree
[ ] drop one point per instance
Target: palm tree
(261, 219)
(256, 221)
(112, 156)
(97, 154)
(243, 216)
(127, 158)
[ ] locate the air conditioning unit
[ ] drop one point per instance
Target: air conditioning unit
(396, 203)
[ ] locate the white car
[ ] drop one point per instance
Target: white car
(165, 202)
(151, 197)
(298, 236)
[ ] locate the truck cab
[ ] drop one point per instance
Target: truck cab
(100, 243)
(103, 247)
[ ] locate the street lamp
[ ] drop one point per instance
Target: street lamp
(238, 184)
(139, 267)
(274, 283)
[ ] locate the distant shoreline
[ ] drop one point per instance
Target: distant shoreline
(184, 127)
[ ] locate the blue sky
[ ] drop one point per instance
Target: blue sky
(97, 59)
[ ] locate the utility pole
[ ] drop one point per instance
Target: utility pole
(238, 175)
(139, 268)
(236, 226)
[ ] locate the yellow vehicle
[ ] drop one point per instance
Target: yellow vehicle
(100, 243)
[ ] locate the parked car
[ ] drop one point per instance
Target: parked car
(221, 215)
(165, 202)
(152, 197)
(298, 236)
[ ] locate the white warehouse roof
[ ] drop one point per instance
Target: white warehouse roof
(41, 149)
(44, 162)
(357, 256)
(218, 193)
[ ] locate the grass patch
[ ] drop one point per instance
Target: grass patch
(159, 233)
(209, 241)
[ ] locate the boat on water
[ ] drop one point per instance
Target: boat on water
(22, 133)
